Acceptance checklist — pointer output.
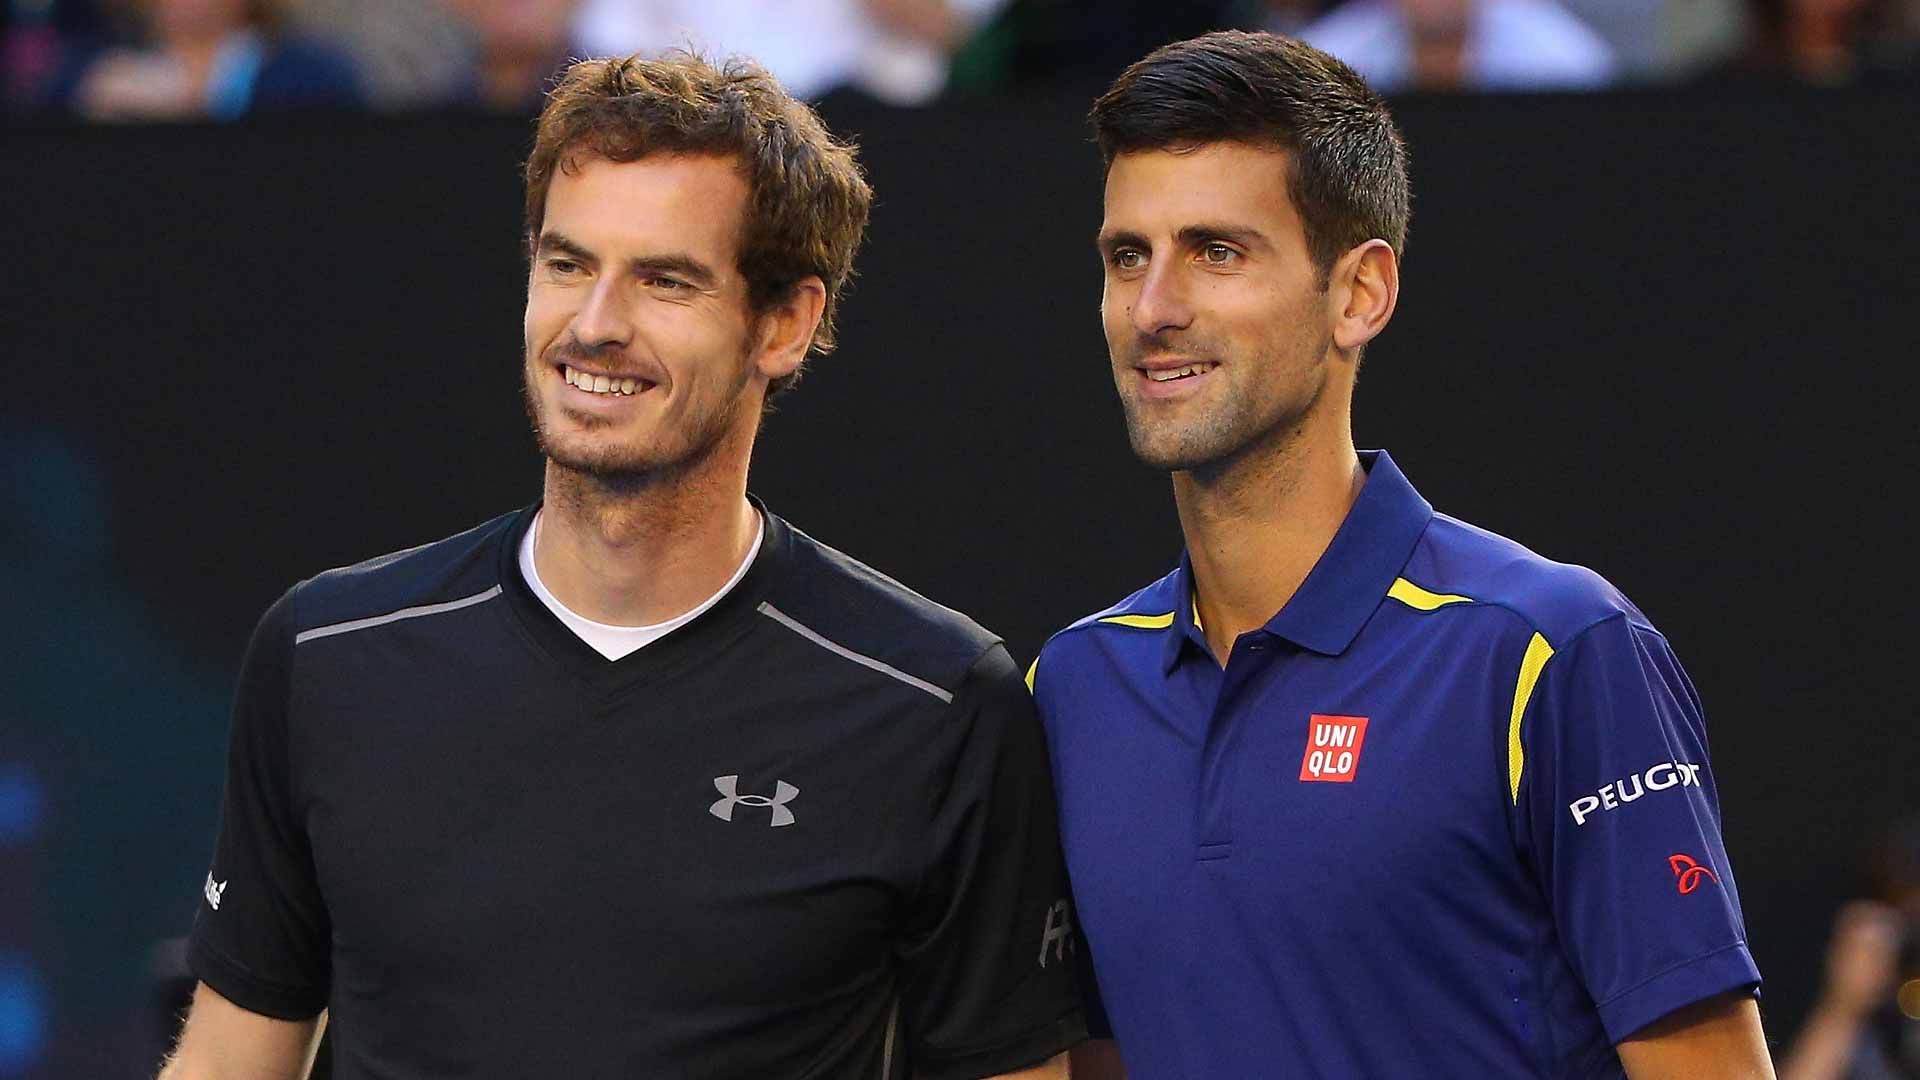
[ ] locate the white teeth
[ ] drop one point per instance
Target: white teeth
(1171, 374)
(598, 384)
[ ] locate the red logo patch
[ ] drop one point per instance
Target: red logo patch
(1333, 748)
(1690, 872)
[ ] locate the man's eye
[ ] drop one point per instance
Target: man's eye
(667, 284)
(562, 266)
(1129, 259)
(1217, 254)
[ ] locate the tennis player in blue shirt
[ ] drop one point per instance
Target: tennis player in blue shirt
(1358, 790)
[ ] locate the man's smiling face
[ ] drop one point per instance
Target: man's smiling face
(1216, 315)
(639, 334)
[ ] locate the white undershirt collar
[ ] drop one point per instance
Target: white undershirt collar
(614, 642)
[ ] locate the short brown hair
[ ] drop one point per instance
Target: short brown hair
(1348, 172)
(807, 200)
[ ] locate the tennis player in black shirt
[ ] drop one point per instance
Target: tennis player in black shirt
(640, 781)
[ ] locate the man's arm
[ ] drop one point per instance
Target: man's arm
(1098, 1059)
(223, 1041)
(987, 974)
(1715, 1039)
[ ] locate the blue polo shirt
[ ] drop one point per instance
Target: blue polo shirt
(1449, 813)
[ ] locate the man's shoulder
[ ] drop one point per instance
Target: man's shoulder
(459, 568)
(1152, 608)
(1459, 563)
(846, 606)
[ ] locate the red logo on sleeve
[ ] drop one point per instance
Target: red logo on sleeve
(1333, 748)
(1690, 872)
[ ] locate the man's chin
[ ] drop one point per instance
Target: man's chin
(1166, 451)
(612, 465)
(1169, 463)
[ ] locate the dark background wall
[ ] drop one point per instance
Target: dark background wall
(1659, 335)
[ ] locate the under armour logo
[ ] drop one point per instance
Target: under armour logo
(1689, 872)
(783, 793)
(1058, 933)
(214, 889)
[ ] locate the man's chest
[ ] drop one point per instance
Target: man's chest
(1350, 779)
(707, 838)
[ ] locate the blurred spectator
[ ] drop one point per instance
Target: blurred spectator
(1635, 31)
(1701, 35)
(897, 50)
(494, 54)
(1464, 45)
(38, 39)
(1867, 1023)
(1830, 42)
(519, 45)
(410, 53)
(217, 59)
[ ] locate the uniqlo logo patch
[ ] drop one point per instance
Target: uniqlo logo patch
(1333, 748)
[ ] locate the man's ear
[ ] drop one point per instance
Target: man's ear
(1362, 292)
(786, 330)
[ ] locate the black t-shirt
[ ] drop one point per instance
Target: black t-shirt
(808, 834)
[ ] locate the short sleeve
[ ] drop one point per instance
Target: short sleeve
(989, 982)
(1085, 977)
(261, 934)
(1619, 798)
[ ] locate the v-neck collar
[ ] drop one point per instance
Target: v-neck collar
(726, 620)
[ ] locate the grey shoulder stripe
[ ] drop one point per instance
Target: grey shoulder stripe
(893, 1029)
(889, 670)
(395, 616)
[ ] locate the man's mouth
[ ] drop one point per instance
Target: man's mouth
(1187, 371)
(604, 384)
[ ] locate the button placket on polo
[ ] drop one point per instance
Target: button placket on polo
(1253, 656)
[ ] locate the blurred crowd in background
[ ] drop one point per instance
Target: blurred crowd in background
(168, 60)
(118, 60)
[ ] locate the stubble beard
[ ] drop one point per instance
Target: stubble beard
(1228, 429)
(667, 459)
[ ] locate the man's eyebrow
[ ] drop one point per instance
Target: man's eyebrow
(1189, 236)
(551, 242)
(1207, 232)
(677, 264)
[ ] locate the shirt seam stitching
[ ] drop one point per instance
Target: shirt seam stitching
(1738, 943)
(872, 663)
(1009, 1043)
(248, 974)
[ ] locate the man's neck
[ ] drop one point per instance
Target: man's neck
(641, 555)
(1255, 529)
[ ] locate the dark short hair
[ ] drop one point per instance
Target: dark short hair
(807, 201)
(1348, 163)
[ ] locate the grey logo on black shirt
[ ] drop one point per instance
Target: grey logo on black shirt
(783, 793)
(1058, 935)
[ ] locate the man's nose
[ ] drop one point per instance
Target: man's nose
(1162, 302)
(604, 320)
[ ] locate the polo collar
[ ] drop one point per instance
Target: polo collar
(1349, 581)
